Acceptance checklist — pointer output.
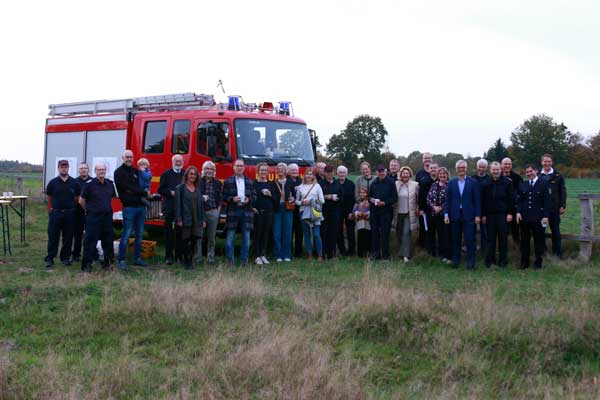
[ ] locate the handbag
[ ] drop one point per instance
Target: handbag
(288, 206)
(315, 209)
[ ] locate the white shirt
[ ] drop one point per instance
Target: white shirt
(533, 181)
(549, 172)
(240, 183)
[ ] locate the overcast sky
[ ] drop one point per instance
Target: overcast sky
(443, 76)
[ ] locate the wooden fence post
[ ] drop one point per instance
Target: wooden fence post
(586, 204)
(20, 185)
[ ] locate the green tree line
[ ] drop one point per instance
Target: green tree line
(365, 136)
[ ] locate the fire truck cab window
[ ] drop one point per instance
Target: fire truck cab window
(154, 136)
(181, 136)
(213, 139)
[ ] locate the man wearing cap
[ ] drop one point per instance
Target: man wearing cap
(62, 193)
(382, 197)
(79, 219)
(332, 192)
(96, 200)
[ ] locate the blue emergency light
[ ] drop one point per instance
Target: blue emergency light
(284, 107)
(234, 103)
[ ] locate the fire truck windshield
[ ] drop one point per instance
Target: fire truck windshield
(273, 141)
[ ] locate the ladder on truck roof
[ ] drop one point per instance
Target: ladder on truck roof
(150, 103)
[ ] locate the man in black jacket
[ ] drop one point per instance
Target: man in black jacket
(558, 197)
(346, 217)
(497, 207)
(533, 211)
(382, 196)
(332, 191)
(423, 178)
(168, 181)
(425, 182)
(79, 220)
(516, 180)
(134, 212)
(482, 178)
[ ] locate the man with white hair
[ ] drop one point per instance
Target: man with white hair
(347, 218)
(134, 211)
(463, 210)
(482, 178)
(96, 200)
(168, 181)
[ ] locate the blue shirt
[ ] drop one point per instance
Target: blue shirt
(461, 188)
(98, 196)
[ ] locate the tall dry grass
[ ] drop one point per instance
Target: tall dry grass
(167, 295)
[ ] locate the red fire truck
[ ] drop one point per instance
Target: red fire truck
(189, 124)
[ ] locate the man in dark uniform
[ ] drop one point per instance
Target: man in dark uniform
(79, 220)
(482, 179)
(382, 196)
(533, 211)
(96, 200)
(558, 197)
(516, 180)
(168, 181)
(62, 193)
(497, 209)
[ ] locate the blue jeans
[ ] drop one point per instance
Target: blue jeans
(245, 240)
(316, 232)
(282, 232)
(133, 218)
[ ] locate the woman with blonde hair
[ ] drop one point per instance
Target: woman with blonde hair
(210, 187)
(406, 211)
(309, 198)
(189, 213)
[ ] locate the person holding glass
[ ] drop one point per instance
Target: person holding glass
(309, 198)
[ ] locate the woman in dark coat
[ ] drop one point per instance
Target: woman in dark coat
(189, 213)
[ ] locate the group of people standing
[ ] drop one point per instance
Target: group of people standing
(319, 215)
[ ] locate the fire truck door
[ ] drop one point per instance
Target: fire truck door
(106, 147)
(62, 145)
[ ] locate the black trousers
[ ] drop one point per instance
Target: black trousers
(497, 232)
(535, 229)
(439, 233)
(554, 222)
(188, 247)
(60, 223)
(364, 243)
(330, 226)
(263, 221)
(298, 234)
(422, 241)
(381, 222)
(98, 226)
(515, 230)
(172, 237)
(78, 226)
(347, 225)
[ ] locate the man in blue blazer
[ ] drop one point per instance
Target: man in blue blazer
(463, 211)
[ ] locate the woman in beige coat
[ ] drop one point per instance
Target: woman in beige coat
(406, 211)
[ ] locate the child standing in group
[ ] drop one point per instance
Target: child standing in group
(361, 214)
(145, 178)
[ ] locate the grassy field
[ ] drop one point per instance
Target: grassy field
(350, 329)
